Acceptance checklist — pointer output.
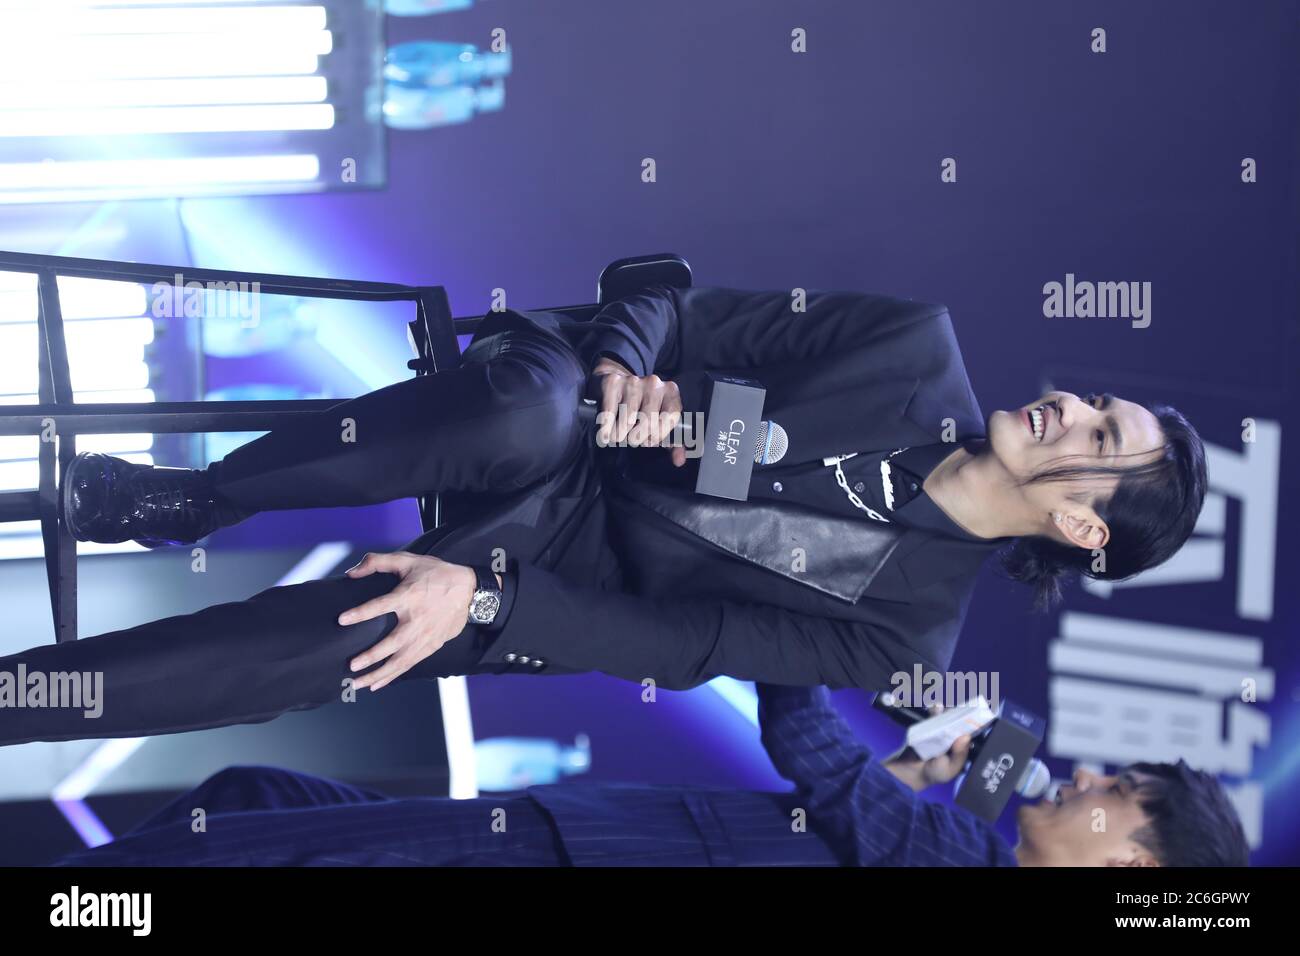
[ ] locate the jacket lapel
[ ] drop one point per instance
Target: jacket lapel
(851, 420)
(842, 556)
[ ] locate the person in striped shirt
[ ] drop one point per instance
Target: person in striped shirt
(847, 809)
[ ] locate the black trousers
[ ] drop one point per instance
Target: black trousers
(502, 420)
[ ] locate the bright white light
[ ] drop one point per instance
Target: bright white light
(18, 348)
(458, 734)
(153, 68)
(10, 281)
(110, 396)
(48, 18)
(115, 444)
(168, 92)
(111, 333)
(99, 397)
(103, 4)
(79, 6)
(53, 181)
(79, 299)
(78, 53)
(96, 376)
(167, 119)
(99, 299)
(18, 357)
(84, 375)
(318, 562)
(106, 757)
(164, 61)
(739, 695)
(102, 354)
(14, 447)
(100, 366)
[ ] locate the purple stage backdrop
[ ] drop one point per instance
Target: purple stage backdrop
(968, 154)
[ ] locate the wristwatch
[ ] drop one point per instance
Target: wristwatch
(486, 602)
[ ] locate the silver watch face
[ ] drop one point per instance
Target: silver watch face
(484, 608)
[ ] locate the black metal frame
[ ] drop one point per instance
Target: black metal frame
(433, 335)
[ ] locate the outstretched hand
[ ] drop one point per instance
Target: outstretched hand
(432, 606)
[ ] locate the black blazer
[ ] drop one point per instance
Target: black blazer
(701, 586)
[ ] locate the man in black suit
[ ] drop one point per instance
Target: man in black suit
(852, 560)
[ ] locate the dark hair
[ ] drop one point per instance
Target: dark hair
(1151, 513)
(1191, 822)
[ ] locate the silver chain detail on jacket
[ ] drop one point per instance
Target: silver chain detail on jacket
(886, 480)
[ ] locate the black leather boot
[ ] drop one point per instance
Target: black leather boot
(108, 500)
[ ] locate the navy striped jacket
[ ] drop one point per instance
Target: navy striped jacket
(856, 812)
(846, 809)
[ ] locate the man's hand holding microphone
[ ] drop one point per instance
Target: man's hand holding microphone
(636, 410)
(920, 774)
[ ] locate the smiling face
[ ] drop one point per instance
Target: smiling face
(1090, 823)
(1063, 430)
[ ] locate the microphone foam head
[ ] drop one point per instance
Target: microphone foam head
(771, 443)
(1034, 781)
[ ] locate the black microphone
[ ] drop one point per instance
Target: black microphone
(1001, 760)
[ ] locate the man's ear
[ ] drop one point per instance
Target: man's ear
(1082, 528)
